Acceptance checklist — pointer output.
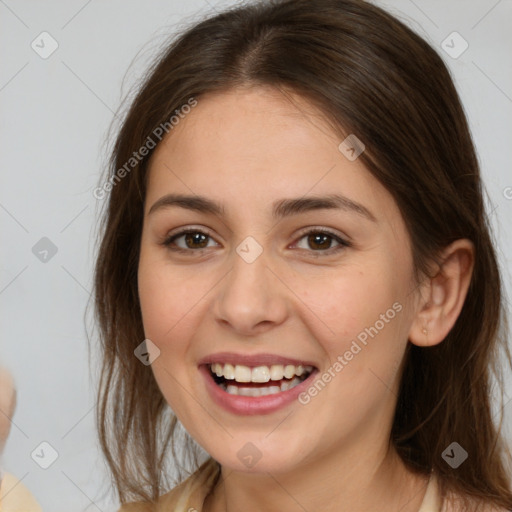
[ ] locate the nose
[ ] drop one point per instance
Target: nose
(251, 299)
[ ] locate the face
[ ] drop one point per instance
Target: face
(291, 280)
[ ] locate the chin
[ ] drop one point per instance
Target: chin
(255, 455)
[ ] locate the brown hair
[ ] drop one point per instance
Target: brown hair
(369, 75)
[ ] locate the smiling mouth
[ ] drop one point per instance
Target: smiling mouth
(258, 380)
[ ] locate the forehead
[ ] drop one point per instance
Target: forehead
(257, 123)
(257, 144)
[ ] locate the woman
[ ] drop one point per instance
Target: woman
(295, 263)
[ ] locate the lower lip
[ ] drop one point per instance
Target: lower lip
(251, 405)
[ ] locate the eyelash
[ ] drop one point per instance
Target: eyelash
(168, 242)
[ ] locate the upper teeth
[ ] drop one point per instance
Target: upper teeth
(242, 373)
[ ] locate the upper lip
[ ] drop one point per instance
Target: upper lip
(252, 359)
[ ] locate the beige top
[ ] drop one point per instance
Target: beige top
(15, 497)
(189, 496)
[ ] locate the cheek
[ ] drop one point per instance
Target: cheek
(367, 314)
(354, 301)
(166, 299)
(365, 319)
(164, 305)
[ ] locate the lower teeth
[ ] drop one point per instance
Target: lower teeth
(260, 391)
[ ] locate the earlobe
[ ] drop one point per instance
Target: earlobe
(443, 295)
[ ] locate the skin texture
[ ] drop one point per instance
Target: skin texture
(246, 149)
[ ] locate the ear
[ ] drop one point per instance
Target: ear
(442, 296)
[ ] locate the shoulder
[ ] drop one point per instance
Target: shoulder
(439, 499)
(476, 507)
(456, 503)
(188, 494)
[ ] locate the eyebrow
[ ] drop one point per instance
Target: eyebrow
(281, 208)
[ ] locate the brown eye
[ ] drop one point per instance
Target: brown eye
(321, 241)
(188, 240)
(191, 239)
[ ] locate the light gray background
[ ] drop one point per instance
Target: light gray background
(55, 113)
